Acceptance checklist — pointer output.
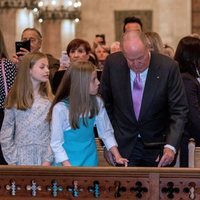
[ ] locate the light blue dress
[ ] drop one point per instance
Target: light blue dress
(80, 145)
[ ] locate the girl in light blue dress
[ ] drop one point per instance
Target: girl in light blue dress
(75, 111)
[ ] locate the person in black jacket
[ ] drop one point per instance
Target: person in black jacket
(188, 56)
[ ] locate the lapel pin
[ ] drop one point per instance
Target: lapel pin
(158, 77)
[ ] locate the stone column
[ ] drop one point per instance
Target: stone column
(51, 32)
(8, 27)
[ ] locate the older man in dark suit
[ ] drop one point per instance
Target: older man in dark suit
(145, 100)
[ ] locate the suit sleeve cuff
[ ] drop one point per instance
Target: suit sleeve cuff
(170, 147)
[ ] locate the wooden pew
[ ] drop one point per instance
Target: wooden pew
(104, 163)
(194, 154)
(102, 160)
(104, 183)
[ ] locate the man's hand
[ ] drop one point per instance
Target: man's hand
(122, 161)
(16, 58)
(167, 158)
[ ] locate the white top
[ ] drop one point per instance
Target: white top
(60, 123)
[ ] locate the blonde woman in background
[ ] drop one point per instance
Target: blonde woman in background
(115, 47)
(101, 51)
(155, 42)
(169, 51)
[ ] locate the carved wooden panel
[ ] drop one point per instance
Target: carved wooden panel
(45, 183)
(144, 15)
(102, 160)
(177, 188)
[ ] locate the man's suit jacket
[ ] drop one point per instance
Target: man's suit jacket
(164, 105)
(192, 88)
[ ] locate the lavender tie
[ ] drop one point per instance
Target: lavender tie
(137, 94)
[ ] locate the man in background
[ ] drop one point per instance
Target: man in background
(99, 39)
(35, 38)
(132, 23)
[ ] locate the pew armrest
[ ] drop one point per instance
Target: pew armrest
(191, 153)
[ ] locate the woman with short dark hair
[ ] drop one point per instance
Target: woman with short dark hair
(77, 49)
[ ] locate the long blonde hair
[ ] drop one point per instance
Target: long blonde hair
(21, 94)
(74, 88)
(155, 42)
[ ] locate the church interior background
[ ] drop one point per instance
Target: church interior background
(172, 19)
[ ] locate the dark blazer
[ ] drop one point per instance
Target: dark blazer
(57, 80)
(164, 105)
(192, 88)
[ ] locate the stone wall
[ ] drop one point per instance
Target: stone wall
(170, 18)
(196, 16)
